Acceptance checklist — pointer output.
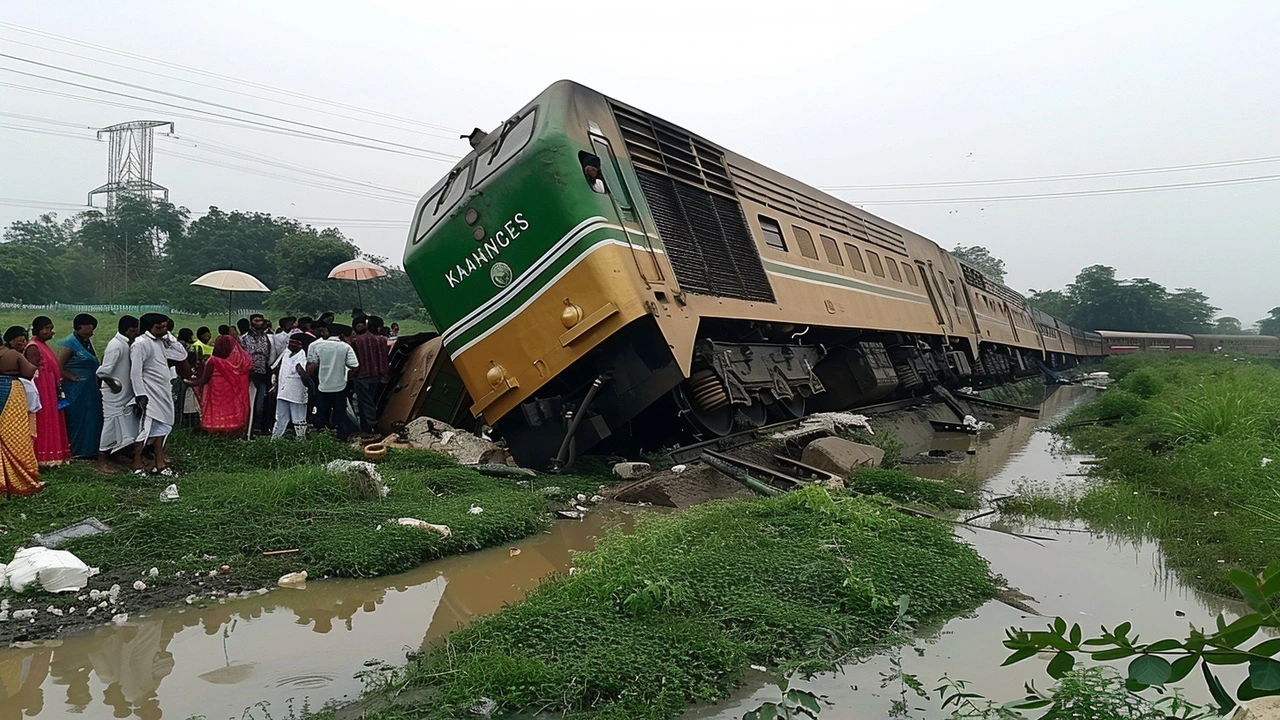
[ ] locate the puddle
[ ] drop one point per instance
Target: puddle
(299, 644)
(1086, 578)
(305, 646)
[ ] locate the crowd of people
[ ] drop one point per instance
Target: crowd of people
(63, 400)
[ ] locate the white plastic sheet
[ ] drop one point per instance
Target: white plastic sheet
(56, 570)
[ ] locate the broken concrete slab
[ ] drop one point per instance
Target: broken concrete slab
(1265, 708)
(427, 433)
(631, 470)
(840, 456)
(698, 484)
(84, 528)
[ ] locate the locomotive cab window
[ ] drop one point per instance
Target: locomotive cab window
(877, 267)
(805, 242)
(592, 173)
(772, 233)
(513, 137)
(441, 199)
(832, 250)
(855, 257)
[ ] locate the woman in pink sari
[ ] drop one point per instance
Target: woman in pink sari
(224, 384)
(52, 446)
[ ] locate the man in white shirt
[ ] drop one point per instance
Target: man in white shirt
(330, 360)
(119, 425)
(291, 387)
(153, 393)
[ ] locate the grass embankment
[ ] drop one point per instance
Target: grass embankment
(239, 499)
(673, 613)
(1182, 442)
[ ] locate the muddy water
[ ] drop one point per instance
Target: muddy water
(288, 644)
(307, 645)
(1086, 578)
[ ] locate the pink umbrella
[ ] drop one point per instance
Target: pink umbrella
(357, 271)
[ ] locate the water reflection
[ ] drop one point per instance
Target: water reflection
(286, 644)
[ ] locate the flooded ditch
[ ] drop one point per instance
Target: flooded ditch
(291, 648)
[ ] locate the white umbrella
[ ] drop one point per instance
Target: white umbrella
(230, 281)
(357, 271)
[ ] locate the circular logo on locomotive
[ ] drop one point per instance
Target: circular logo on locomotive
(501, 274)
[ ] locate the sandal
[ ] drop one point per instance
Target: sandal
(140, 472)
(168, 472)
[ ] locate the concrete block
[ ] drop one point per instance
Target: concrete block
(1265, 708)
(840, 456)
(631, 470)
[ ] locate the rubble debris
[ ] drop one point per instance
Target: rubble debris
(568, 514)
(363, 475)
(839, 456)
(1264, 708)
(139, 585)
(57, 571)
(503, 471)
(830, 421)
(84, 528)
(631, 470)
(295, 580)
(475, 510)
(416, 523)
(169, 494)
(976, 424)
(427, 433)
(512, 552)
(677, 469)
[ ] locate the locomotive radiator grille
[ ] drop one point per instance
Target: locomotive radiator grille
(706, 240)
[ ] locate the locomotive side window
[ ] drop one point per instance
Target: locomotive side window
(877, 267)
(772, 233)
(805, 241)
(893, 269)
(911, 275)
(855, 257)
(832, 250)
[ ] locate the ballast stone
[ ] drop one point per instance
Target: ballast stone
(631, 470)
(840, 456)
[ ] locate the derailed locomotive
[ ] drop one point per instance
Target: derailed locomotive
(596, 272)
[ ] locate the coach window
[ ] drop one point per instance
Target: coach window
(772, 233)
(893, 269)
(855, 257)
(805, 241)
(877, 267)
(911, 275)
(832, 250)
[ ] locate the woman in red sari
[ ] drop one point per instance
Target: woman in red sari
(52, 446)
(224, 384)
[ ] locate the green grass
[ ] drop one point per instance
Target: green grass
(241, 498)
(1181, 440)
(673, 613)
(905, 487)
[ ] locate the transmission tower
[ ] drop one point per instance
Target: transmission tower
(129, 156)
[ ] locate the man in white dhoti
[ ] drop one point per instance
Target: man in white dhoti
(119, 425)
(153, 393)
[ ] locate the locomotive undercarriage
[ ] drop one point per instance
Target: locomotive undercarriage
(627, 391)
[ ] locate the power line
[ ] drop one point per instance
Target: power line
(438, 155)
(1056, 178)
(211, 86)
(1076, 193)
(227, 78)
(251, 156)
(42, 131)
(300, 181)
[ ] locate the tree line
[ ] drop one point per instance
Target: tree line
(1098, 300)
(146, 251)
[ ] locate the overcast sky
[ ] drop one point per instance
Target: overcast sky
(835, 94)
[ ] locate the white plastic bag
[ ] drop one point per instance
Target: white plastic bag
(56, 570)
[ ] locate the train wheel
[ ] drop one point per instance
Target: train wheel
(753, 415)
(705, 403)
(792, 409)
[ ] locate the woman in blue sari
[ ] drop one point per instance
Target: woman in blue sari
(83, 401)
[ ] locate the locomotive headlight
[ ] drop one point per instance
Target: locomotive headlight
(478, 233)
(472, 216)
(496, 374)
(572, 314)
